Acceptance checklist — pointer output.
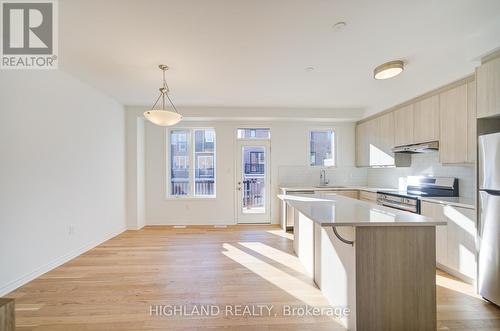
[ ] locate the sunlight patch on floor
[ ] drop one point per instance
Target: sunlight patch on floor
(275, 276)
(281, 233)
(450, 283)
(274, 254)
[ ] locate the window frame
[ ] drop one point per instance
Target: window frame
(252, 127)
(334, 146)
(191, 159)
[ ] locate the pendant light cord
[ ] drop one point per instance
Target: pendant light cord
(164, 93)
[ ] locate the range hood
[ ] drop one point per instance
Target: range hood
(417, 148)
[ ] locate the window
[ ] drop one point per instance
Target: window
(322, 148)
(192, 163)
(253, 133)
(180, 162)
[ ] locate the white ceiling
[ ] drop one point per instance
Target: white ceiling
(253, 53)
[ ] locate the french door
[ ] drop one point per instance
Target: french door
(253, 182)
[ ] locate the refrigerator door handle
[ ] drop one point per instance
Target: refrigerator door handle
(489, 251)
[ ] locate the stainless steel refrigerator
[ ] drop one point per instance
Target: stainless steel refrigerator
(489, 217)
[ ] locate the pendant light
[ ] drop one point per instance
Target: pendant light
(162, 116)
(388, 69)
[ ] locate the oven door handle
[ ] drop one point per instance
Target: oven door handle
(395, 205)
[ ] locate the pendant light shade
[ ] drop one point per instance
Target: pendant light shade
(162, 116)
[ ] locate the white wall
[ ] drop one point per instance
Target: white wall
(61, 171)
(135, 160)
(289, 166)
(425, 164)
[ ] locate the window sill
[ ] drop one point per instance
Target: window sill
(322, 166)
(189, 198)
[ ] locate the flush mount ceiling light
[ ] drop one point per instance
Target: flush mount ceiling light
(162, 116)
(388, 70)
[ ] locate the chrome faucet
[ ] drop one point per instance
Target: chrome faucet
(322, 178)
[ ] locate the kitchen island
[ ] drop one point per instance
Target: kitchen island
(378, 262)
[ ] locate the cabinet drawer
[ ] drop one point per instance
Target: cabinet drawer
(367, 196)
(350, 194)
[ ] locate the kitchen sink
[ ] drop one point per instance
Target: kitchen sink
(328, 186)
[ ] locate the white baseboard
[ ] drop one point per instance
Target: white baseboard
(134, 228)
(54, 264)
(191, 222)
(456, 274)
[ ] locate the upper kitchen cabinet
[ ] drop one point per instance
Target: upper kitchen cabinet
(453, 125)
(383, 141)
(488, 88)
(471, 122)
(403, 126)
(374, 142)
(363, 144)
(426, 120)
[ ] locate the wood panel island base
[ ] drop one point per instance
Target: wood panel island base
(377, 262)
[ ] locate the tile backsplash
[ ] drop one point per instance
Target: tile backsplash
(422, 164)
(307, 176)
(425, 164)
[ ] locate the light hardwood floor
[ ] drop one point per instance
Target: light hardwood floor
(113, 286)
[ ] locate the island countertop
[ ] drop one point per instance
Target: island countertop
(337, 210)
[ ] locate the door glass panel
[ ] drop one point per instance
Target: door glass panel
(254, 179)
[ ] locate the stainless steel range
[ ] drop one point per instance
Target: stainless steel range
(418, 186)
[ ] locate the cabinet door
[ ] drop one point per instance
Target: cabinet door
(367, 196)
(453, 125)
(385, 141)
(488, 88)
(362, 146)
(403, 126)
(349, 194)
(426, 115)
(374, 142)
(461, 240)
(435, 211)
(471, 122)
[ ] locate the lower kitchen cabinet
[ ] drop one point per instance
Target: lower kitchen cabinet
(434, 210)
(286, 212)
(455, 242)
(368, 196)
(345, 193)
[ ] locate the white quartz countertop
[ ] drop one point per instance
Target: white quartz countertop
(452, 201)
(336, 210)
(337, 188)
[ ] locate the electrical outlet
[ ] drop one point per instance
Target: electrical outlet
(71, 229)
